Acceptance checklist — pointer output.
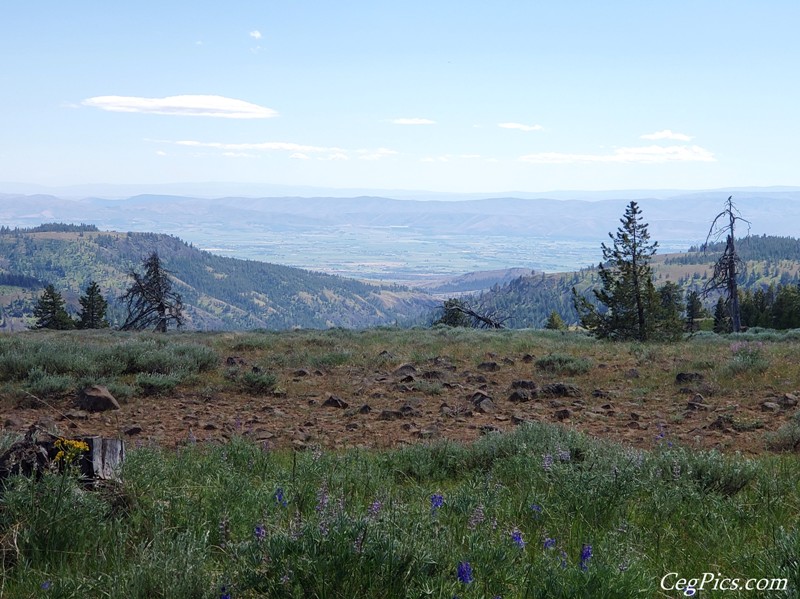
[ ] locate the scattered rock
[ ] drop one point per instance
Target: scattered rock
(75, 415)
(477, 379)
(688, 377)
(210, 426)
(488, 429)
(132, 430)
(409, 378)
(563, 414)
(528, 358)
(517, 419)
(561, 390)
(607, 406)
(635, 416)
(633, 373)
(408, 410)
(770, 406)
(485, 406)
(530, 385)
(520, 396)
(235, 361)
(351, 426)
(390, 415)
(698, 406)
(479, 396)
(428, 433)
(488, 366)
(502, 418)
(335, 402)
(432, 375)
(788, 400)
(12, 423)
(97, 398)
(508, 361)
(405, 370)
(633, 424)
(302, 372)
(601, 394)
(365, 409)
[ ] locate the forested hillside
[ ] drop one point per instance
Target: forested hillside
(529, 300)
(218, 292)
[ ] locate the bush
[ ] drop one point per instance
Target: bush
(259, 382)
(564, 364)
(157, 384)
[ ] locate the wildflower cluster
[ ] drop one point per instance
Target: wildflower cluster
(69, 450)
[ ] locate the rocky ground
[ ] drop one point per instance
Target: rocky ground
(438, 398)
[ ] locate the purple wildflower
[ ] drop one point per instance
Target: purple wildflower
(279, 498)
(45, 586)
(563, 559)
(224, 593)
(563, 455)
(549, 542)
(516, 536)
(586, 555)
(547, 462)
(322, 498)
(476, 518)
(465, 572)
(536, 509)
(437, 501)
(260, 532)
(375, 508)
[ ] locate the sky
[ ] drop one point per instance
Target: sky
(440, 95)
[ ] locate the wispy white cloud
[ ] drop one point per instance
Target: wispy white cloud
(256, 34)
(266, 146)
(188, 105)
(450, 157)
(413, 121)
(160, 153)
(239, 155)
(376, 154)
(666, 134)
(300, 156)
(642, 154)
(520, 126)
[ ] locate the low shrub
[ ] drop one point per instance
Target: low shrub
(564, 364)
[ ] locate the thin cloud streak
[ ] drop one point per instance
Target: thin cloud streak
(413, 121)
(520, 126)
(642, 155)
(667, 134)
(186, 105)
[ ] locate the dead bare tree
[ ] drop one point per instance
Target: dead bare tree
(729, 265)
(456, 312)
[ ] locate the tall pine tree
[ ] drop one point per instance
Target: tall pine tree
(93, 309)
(50, 311)
(628, 294)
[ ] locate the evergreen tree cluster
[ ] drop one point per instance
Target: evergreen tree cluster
(774, 307)
(51, 313)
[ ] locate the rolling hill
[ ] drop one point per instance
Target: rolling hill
(218, 292)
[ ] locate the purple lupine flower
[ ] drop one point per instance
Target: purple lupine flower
(46, 585)
(465, 572)
(476, 518)
(279, 498)
(563, 455)
(563, 559)
(322, 498)
(549, 542)
(437, 501)
(260, 532)
(224, 531)
(586, 555)
(516, 537)
(547, 462)
(536, 509)
(224, 593)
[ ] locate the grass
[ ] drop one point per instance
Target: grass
(521, 509)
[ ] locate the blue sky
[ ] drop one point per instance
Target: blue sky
(465, 96)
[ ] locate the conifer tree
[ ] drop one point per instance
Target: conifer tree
(555, 322)
(93, 309)
(50, 311)
(694, 309)
(722, 319)
(628, 294)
